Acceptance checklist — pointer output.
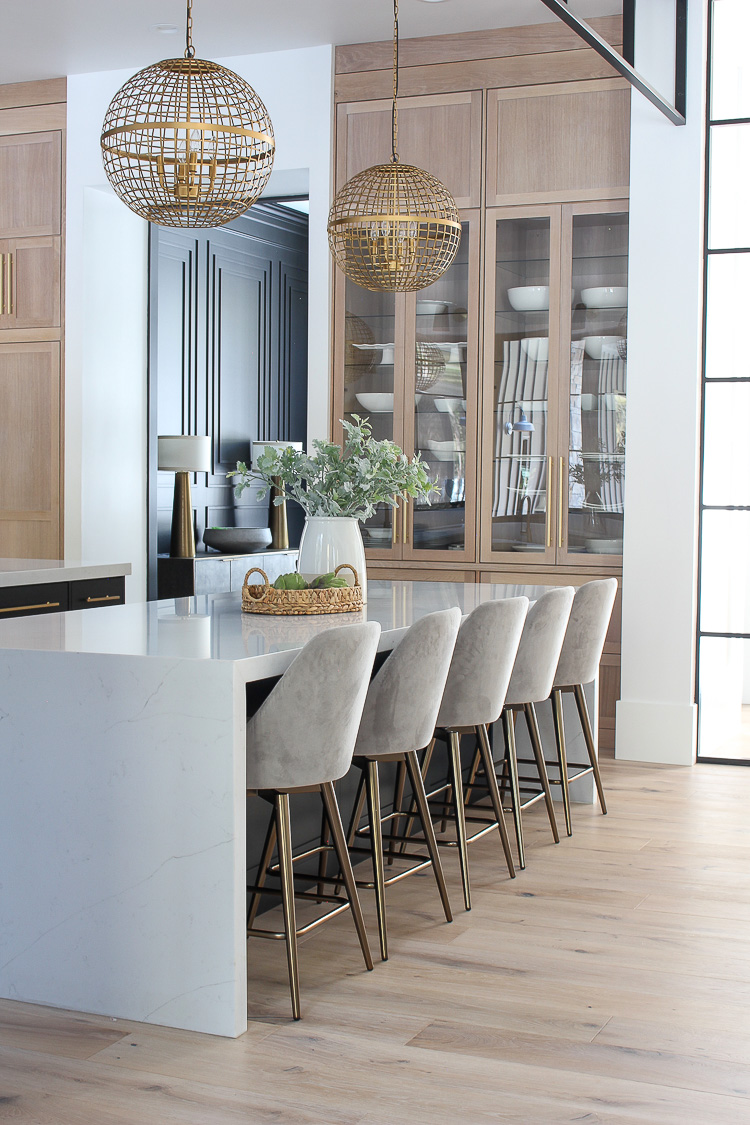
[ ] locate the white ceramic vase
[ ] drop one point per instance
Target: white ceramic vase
(328, 541)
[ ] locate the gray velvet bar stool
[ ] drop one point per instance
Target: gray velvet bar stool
(398, 720)
(579, 665)
(531, 683)
(301, 740)
(474, 695)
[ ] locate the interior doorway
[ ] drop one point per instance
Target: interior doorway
(227, 357)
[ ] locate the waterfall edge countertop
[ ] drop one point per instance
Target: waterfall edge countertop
(34, 572)
(123, 800)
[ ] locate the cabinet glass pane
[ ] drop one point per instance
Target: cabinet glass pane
(440, 404)
(725, 577)
(727, 355)
(598, 357)
(724, 698)
(728, 213)
(726, 449)
(730, 65)
(519, 466)
(369, 356)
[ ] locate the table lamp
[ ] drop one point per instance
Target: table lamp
(182, 454)
(277, 521)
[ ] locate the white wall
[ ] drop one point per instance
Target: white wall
(656, 718)
(106, 300)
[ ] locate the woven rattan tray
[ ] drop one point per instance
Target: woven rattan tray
(296, 603)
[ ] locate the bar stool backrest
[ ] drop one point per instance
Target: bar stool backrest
(404, 697)
(586, 633)
(539, 650)
(482, 664)
(304, 732)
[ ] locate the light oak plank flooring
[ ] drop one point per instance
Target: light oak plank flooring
(609, 984)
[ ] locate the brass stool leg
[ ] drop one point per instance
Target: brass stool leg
(325, 838)
(509, 732)
(345, 865)
(413, 804)
(473, 772)
(359, 804)
(417, 784)
(588, 736)
(458, 804)
(286, 874)
(265, 859)
(376, 845)
(541, 766)
(562, 756)
(497, 804)
(398, 800)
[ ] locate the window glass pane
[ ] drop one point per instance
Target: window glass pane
(726, 444)
(725, 575)
(724, 698)
(728, 212)
(730, 63)
(727, 351)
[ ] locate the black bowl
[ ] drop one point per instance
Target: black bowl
(237, 540)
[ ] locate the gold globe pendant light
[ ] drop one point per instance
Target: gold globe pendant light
(186, 142)
(394, 227)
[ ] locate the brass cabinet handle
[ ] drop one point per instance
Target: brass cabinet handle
(21, 608)
(405, 525)
(9, 280)
(560, 505)
(104, 598)
(548, 514)
(395, 513)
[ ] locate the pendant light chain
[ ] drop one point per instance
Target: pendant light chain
(394, 115)
(189, 48)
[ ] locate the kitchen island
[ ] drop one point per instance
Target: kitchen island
(122, 796)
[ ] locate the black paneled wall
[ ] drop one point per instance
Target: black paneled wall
(227, 357)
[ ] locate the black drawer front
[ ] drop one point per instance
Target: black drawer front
(97, 592)
(27, 601)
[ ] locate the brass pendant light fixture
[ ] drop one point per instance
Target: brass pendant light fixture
(186, 142)
(394, 227)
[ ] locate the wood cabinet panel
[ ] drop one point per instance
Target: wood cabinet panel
(30, 450)
(30, 184)
(30, 283)
(557, 143)
(441, 134)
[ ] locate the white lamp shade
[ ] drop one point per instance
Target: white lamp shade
(261, 446)
(185, 453)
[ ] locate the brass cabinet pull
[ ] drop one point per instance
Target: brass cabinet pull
(395, 513)
(405, 525)
(104, 598)
(560, 505)
(9, 280)
(21, 608)
(548, 514)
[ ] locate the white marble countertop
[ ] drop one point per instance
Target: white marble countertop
(32, 572)
(212, 627)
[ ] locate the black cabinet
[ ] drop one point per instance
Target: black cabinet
(219, 574)
(55, 597)
(227, 358)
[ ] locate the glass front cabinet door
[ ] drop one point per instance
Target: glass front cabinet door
(411, 366)
(553, 433)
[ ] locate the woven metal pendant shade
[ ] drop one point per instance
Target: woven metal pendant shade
(187, 143)
(394, 227)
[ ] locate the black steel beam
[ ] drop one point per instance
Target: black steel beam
(675, 113)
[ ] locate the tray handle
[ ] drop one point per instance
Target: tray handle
(347, 566)
(264, 592)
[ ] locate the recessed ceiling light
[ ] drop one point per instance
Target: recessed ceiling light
(165, 28)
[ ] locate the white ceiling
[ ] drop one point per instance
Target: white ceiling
(52, 38)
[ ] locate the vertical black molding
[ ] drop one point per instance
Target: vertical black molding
(628, 31)
(680, 56)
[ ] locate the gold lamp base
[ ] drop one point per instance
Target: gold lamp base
(182, 543)
(278, 521)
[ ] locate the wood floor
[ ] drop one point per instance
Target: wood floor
(608, 984)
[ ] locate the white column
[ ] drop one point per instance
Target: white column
(656, 716)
